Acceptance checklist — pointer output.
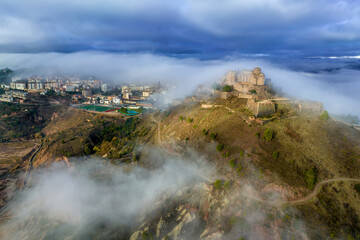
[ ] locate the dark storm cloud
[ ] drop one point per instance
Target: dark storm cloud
(206, 28)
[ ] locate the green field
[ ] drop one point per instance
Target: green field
(96, 108)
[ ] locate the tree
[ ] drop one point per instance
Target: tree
(311, 177)
(324, 116)
(268, 134)
(218, 184)
(227, 88)
(213, 135)
(275, 155)
(227, 185)
(87, 150)
(220, 147)
(232, 163)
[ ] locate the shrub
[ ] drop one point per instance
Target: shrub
(87, 150)
(275, 155)
(205, 132)
(241, 153)
(324, 116)
(257, 135)
(232, 163)
(239, 168)
(227, 185)
(181, 117)
(190, 120)
(218, 184)
(187, 139)
(311, 177)
(220, 147)
(63, 141)
(227, 88)
(194, 126)
(96, 149)
(213, 135)
(268, 134)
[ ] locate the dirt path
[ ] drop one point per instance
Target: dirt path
(175, 153)
(280, 203)
(158, 122)
(29, 168)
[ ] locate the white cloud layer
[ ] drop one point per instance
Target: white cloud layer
(338, 90)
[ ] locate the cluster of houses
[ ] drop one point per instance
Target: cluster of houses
(84, 91)
(58, 84)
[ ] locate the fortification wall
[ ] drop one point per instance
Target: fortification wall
(223, 95)
(261, 108)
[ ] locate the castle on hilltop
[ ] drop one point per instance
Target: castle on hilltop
(251, 85)
(245, 77)
(248, 84)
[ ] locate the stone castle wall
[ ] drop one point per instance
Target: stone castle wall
(261, 108)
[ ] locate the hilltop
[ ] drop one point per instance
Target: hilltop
(269, 168)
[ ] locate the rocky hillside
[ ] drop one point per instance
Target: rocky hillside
(287, 176)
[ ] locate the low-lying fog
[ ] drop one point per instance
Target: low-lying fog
(74, 202)
(335, 82)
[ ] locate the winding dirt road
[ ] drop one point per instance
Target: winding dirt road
(273, 203)
(280, 203)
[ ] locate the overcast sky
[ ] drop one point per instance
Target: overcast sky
(188, 42)
(205, 29)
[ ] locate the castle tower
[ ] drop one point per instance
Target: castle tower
(252, 78)
(257, 70)
(261, 79)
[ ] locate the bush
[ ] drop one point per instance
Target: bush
(218, 184)
(239, 168)
(190, 120)
(227, 88)
(220, 147)
(87, 150)
(96, 149)
(311, 177)
(205, 132)
(257, 135)
(227, 185)
(213, 135)
(241, 153)
(181, 118)
(232, 163)
(275, 155)
(324, 116)
(268, 134)
(194, 126)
